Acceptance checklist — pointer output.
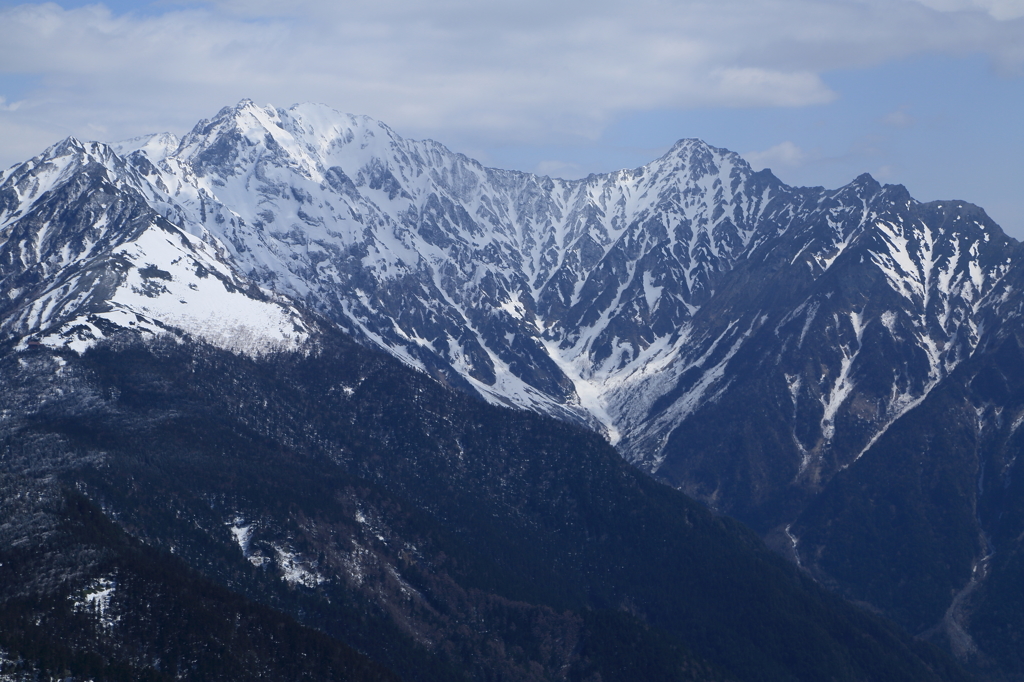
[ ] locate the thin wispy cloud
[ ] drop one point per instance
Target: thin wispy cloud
(900, 118)
(785, 155)
(998, 9)
(9, 106)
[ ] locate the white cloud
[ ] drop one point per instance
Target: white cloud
(885, 173)
(526, 71)
(785, 155)
(900, 118)
(1001, 10)
(752, 86)
(13, 106)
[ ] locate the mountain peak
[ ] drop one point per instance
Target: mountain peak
(694, 145)
(703, 158)
(866, 180)
(68, 145)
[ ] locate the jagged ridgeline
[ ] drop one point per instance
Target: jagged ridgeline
(174, 510)
(771, 351)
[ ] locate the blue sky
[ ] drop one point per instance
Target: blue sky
(926, 93)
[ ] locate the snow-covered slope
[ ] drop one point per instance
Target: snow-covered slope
(83, 253)
(864, 301)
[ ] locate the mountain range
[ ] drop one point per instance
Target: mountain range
(838, 369)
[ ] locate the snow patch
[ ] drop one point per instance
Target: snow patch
(843, 386)
(96, 598)
(888, 319)
(241, 532)
(295, 570)
(651, 292)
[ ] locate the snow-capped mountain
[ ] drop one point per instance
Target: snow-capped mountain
(627, 299)
(632, 300)
(751, 343)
